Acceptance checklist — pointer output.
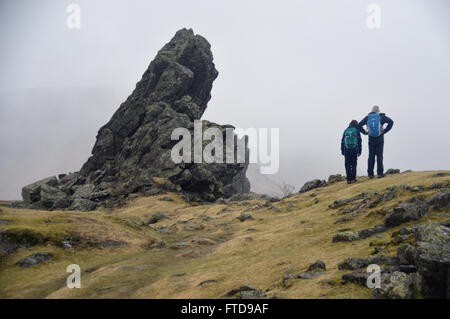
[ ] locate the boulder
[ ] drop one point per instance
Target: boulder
(317, 266)
(316, 183)
(440, 200)
(244, 216)
(432, 259)
(419, 270)
(406, 212)
(155, 218)
(399, 286)
(355, 263)
(245, 292)
(32, 193)
(346, 236)
(335, 178)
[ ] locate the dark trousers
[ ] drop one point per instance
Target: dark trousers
(375, 150)
(351, 160)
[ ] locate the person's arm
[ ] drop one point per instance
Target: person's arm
(389, 122)
(361, 124)
(342, 144)
(359, 144)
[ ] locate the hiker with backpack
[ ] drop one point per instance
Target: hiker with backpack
(375, 129)
(351, 145)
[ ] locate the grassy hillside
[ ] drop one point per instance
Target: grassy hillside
(118, 258)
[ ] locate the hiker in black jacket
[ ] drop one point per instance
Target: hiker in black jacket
(351, 148)
(375, 129)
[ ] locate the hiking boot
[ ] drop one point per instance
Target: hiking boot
(381, 176)
(370, 176)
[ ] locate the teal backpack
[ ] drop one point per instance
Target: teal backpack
(351, 138)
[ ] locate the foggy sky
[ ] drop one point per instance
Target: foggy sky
(305, 67)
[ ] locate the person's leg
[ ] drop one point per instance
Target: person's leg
(348, 167)
(354, 165)
(380, 168)
(371, 161)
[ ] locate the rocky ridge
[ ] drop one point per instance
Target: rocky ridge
(135, 146)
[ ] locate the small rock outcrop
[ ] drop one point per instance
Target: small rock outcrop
(392, 171)
(245, 292)
(135, 145)
(406, 212)
(421, 270)
(318, 265)
(34, 259)
(316, 183)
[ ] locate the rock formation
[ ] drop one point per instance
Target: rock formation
(135, 145)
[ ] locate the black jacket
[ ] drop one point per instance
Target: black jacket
(344, 150)
(384, 120)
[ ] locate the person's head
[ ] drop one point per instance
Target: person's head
(376, 109)
(353, 123)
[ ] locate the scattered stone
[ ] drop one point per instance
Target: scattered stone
(245, 292)
(317, 266)
(335, 178)
(207, 282)
(308, 275)
(440, 200)
(359, 278)
(316, 183)
(342, 220)
(203, 241)
(167, 199)
(406, 212)
(377, 250)
(179, 245)
(110, 243)
(34, 259)
(244, 216)
(392, 171)
(346, 236)
(365, 233)
(356, 263)
(157, 217)
(441, 174)
(179, 275)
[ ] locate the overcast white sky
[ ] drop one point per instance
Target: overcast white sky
(306, 67)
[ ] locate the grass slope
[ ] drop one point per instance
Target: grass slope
(256, 252)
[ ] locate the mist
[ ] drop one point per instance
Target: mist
(305, 67)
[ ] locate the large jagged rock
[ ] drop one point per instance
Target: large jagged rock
(135, 145)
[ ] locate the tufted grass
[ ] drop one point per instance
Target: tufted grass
(224, 250)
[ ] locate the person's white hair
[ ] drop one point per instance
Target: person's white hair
(376, 109)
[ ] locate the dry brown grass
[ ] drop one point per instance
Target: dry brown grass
(221, 247)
